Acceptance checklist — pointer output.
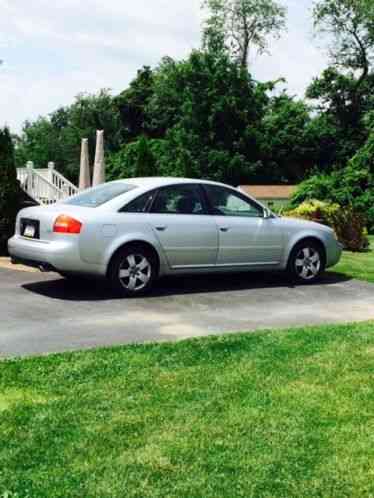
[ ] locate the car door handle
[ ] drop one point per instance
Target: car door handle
(224, 229)
(161, 228)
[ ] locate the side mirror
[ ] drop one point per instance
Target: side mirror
(267, 214)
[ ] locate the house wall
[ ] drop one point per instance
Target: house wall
(274, 203)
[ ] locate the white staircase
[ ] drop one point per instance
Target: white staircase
(45, 186)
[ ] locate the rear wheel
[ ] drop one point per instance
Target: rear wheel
(307, 262)
(133, 271)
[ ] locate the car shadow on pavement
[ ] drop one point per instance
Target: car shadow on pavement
(99, 290)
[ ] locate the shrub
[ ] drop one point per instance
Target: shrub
(136, 159)
(349, 225)
(319, 186)
(350, 186)
(9, 190)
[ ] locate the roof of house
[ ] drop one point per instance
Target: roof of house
(269, 191)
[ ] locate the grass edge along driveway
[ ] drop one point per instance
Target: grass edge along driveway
(358, 265)
(266, 415)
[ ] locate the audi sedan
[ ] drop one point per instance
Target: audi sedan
(137, 230)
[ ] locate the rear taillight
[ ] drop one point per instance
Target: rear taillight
(67, 224)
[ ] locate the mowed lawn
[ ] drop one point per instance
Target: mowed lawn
(358, 265)
(273, 414)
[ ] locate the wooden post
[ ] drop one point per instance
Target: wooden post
(51, 167)
(66, 192)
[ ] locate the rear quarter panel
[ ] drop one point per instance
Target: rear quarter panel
(106, 233)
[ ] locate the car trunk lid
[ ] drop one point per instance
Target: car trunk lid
(36, 223)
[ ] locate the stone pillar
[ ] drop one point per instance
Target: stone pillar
(99, 167)
(84, 172)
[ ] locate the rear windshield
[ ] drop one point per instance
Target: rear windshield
(98, 196)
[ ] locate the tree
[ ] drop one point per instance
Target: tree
(242, 26)
(351, 25)
(203, 120)
(344, 91)
(135, 159)
(145, 162)
(39, 142)
(288, 147)
(343, 108)
(58, 137)
(214, 110)
(132, 105)
(9, 190)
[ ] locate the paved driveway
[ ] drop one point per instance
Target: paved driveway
(44, 313)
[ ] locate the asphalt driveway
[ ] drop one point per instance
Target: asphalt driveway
(44, 313)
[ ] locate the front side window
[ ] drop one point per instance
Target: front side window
(224, 202)
(179, 199)
(100, 195)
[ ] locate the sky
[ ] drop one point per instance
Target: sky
(54, 50)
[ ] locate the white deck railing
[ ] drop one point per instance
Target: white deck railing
(63, 184)
(46, 186)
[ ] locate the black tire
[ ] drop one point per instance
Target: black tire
(138, 265)
(307, 262)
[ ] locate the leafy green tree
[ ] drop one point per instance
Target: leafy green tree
(321, 136)
(344, 108)
(39, 142)
(132, 105)
(203, 119)
(145, 164)
(242, 26)
(135, 159)
(58, 137)
(9, 189)
(344, 90)
(288, 145)
(214, 110)
(350, 24)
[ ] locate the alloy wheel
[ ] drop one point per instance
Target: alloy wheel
(135, 272)
(308, 263)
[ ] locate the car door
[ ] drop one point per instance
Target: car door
(188, 235)
(246, 237)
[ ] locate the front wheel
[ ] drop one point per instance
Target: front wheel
(133, 271)
(307, 262)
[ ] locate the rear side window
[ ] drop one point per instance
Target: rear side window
(139, 205)
(100, 195)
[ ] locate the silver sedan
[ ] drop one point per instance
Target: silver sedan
(134, 231)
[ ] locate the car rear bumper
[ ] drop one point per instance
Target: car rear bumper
(40, 265)
(59, 256)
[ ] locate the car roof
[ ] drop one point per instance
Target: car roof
(156, 182)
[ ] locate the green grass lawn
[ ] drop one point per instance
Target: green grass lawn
(265, 415)
(358, 265)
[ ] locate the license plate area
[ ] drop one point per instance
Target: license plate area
(30, 228)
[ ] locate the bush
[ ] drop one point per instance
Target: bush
(352, 186)
(136, 159)
(319, 186)
(9, 189)
(349, 225)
